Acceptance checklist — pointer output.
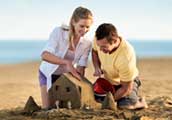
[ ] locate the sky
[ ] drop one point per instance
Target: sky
(134, 19)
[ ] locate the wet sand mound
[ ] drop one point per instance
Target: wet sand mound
(160, 108)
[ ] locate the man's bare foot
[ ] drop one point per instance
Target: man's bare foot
(140, 104)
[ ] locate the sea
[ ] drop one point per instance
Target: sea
(19, 51)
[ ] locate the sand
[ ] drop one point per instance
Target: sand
(19, 81)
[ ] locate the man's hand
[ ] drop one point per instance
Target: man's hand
(98, 72)
(124, 90)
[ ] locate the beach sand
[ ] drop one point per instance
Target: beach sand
(19, 81)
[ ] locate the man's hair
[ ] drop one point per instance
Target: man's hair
(106, 30)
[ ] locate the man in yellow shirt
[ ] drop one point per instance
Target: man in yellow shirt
(115, 59)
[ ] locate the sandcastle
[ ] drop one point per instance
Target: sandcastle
(69, 92)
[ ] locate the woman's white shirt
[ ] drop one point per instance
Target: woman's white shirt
(58, 45)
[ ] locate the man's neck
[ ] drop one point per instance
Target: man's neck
(115, 48)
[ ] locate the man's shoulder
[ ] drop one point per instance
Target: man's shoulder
(126, 47)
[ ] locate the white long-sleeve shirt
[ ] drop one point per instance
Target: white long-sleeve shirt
(58, 45)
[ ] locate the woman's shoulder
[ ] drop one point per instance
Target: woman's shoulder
(62, 27)
(86, 40)
(56, 30)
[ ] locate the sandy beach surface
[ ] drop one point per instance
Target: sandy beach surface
(19, 81)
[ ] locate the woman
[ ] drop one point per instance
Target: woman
(66, 51)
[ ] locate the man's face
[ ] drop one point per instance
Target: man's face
(107, 47)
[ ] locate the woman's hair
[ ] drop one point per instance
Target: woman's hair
(79, 13)
(106, 30)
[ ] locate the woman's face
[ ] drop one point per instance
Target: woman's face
(82, 27)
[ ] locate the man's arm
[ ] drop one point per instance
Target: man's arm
(126, 88)
(95, 59)
(96, 63)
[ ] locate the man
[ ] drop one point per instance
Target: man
(115, 59)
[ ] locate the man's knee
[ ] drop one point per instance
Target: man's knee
(137, 82)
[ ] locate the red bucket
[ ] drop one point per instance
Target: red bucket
(102, 86)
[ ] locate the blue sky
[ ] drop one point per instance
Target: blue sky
(135, 19)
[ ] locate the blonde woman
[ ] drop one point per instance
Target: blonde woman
(67, 50)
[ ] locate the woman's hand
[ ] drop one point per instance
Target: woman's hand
(72, 70)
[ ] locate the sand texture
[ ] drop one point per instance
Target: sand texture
(19, 81)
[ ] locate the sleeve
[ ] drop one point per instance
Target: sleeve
(52, 43)
(84, 58)
(127, 69)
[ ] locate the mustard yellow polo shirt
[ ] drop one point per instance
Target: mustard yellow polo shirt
(119, 65)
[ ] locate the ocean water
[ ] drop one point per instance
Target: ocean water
(17, 51)
(152, 48)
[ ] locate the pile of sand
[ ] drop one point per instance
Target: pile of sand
(19, 81)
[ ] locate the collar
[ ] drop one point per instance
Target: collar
(115, 48)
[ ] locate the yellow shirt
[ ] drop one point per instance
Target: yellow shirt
(120, 65)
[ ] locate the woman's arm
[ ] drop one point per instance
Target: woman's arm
(81, 70)
(47, 56)
(83, 61)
